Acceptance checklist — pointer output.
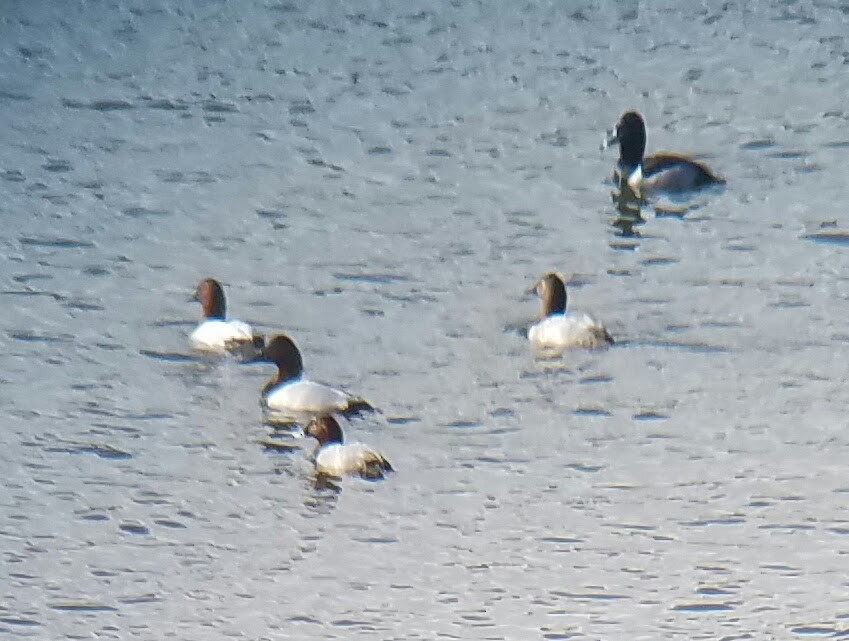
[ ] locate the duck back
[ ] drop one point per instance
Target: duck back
(214, 335)
(338, 459)
(306, 396)
(569, 330)
(671, 172)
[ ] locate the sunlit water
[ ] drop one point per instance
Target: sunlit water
(385, 181)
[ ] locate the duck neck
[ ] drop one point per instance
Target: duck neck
(555, 302)
(215, 309)
(333, 439)
(327, 431)
(632, 146)
(280, 378)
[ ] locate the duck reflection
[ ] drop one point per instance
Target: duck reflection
(628, 208)
(322, 495)
(291, 458)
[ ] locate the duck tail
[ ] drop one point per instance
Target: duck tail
(376, 468)
(358, 406)
(246, 350)
(607, 337)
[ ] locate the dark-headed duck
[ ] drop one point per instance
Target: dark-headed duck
(289, 391)
(216, 334)
(559, 329)
(666, 172)
(333, 458)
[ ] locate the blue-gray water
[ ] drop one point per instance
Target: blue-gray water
(384, 181)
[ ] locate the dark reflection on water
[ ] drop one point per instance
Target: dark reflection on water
(839, 238)
(629, 205)
(628, 209)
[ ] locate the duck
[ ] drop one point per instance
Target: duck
(216, 334)
(290, 393)
(335, 458)
(661, 172)
(558, 329)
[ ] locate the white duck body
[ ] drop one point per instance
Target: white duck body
(568, 330)
(302, 395)
(218, 336)
(340, 459)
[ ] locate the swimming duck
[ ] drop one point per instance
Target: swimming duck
(216, 334)
(559, 329)
(333, 458)
(289, 391)
(664, 171)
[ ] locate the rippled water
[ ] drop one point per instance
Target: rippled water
(385, 181)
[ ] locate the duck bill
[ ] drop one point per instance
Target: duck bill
(610, 138)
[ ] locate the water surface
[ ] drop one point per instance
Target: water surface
(385, 182)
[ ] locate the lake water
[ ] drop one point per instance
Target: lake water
(385, 181)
